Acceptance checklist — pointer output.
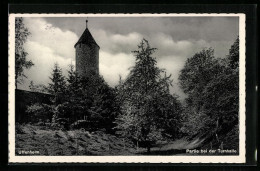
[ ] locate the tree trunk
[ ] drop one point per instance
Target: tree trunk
(148, 149)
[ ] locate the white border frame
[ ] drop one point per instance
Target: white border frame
(241, 158)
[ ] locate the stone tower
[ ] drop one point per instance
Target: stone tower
(87, 54)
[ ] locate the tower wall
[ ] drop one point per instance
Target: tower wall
(87, 59)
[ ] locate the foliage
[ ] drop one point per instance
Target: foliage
(212, 87)
(223, 93)
(100, 98)
(57, 86)
(196, 123)
(77, 100)
(21, 63)
(144, 98)
(231, 140)
(58, 82)
(169, 110)
(233, 56)
(81, 98)
(104, 104)
(198, 71)
(56, 110)
(40, 112)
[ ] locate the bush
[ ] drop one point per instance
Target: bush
(39, 112)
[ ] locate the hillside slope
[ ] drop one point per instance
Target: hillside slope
(53, 142)
(45, 141)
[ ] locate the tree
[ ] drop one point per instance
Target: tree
(169, 110)
(233, 56)
(75, 96)
(105, 104)
(21, 63)
(142, 97)
(213, 92)
(223, 92)
(99, 102)
(90, 99)
(57, 86)
(198, 72)
(61, 106)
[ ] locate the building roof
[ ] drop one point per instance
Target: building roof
(86, 38)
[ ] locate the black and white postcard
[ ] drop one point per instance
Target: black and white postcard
(127, 88)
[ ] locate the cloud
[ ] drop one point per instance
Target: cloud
(179, 28)
(117, 43)
(62, 42)
(167, 46)
(172, 66)
(113, 65)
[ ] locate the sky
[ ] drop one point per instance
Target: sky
(52, 41)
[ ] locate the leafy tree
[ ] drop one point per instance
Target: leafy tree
(233, 56)
(142, 97)
(223, 93)
(212, 87)
(21, 63)
(198, 71)
(222, 96)
(169, 110)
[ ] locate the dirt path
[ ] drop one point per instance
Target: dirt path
(182, 144)
(175, 147)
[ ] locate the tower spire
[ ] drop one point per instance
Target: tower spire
(87, 54)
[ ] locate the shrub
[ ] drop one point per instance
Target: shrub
(39, 112)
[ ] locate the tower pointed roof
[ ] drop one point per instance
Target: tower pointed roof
(86, 37)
